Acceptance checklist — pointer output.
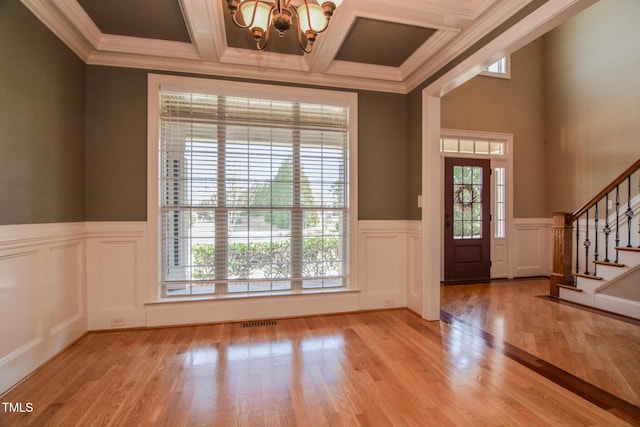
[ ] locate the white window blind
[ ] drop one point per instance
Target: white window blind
(254, 194)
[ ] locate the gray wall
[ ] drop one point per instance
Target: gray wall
(593, 101)
(116, 144)
(116, 149)
(514, 106)
(414, 154)
(41, 123)
(382, 156)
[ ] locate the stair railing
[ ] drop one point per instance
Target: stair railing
(605, 223)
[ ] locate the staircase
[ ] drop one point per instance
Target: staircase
(596, 258)
(616, 288)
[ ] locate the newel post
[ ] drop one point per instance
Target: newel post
(562, 247)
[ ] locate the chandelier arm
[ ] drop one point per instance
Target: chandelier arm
(299, 32)
(282, 4)
(301, 45)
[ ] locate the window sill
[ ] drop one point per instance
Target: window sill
(241, 296)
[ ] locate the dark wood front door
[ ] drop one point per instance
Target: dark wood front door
(466, 220)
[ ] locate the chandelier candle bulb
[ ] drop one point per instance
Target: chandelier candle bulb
(312, 18)
(255, 15)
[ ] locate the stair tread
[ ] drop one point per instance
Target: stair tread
(571, 288)
(624, 248)
(610, 264)
(588, 276)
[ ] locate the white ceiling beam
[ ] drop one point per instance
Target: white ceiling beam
(199, 18)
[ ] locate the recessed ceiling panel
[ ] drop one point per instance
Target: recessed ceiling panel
(152, 19)
(371, 41)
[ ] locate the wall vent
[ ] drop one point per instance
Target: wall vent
(260, 323)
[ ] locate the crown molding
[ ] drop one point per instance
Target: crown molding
(148, 47)
(276, 62)
(366, 71)
(115, 59)
(463, 9)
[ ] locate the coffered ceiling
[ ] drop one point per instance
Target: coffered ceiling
(370, 44)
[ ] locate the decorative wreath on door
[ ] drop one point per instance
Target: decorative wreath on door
(466, 195)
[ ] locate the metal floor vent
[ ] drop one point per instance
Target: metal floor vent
(260, 323)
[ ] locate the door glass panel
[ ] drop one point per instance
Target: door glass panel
(467, 202)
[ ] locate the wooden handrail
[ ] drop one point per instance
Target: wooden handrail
(609, 188)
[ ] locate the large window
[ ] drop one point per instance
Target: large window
(254, 193)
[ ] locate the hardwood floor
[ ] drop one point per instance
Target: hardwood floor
(385, 368)
(601, 350)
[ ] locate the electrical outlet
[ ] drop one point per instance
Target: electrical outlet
(388, 303)
(420, 201)
(118, 321)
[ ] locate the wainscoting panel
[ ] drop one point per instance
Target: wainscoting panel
(67, 282)
(382, 263)
(116, 274)
(21, 297)
(42, 308)
(533, 254)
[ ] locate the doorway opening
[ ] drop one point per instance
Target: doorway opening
(478, 205)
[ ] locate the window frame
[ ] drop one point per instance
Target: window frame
(507, 73)
(156, 82)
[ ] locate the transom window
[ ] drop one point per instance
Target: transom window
(254, 194)
(472, 146)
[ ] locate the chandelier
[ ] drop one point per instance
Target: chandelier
(258, 16)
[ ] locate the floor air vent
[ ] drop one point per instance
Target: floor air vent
(260, 323)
